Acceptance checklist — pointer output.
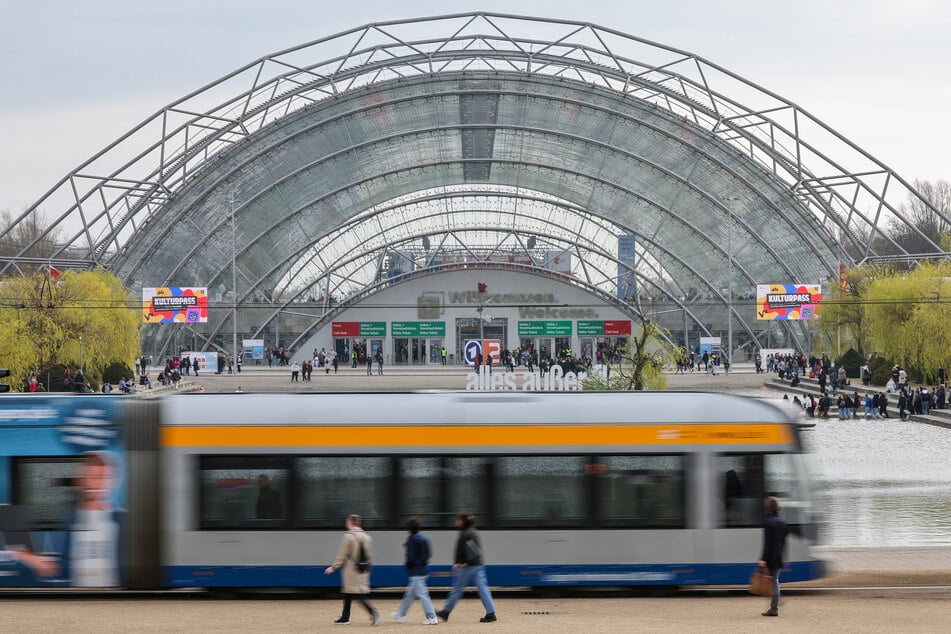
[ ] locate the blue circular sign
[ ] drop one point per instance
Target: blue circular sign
(472, 349)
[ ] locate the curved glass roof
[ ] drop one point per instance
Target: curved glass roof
(389, 148)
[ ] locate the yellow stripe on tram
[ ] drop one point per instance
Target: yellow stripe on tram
(469, 435)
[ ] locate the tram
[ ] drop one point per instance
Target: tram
(251, 490)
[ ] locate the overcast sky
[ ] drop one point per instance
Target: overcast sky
(76, 75)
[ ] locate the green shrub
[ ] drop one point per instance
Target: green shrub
(117, 370)
(881, 370)
(852, 361)
(56, 374)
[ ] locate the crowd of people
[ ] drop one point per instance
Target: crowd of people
(835, 389)
(709, 361)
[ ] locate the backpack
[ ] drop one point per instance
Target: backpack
(471, 550)
(362, 563)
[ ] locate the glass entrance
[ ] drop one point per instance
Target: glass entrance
(434, 354)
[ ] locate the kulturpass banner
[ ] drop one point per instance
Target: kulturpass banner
(174, 304)
(781, 302)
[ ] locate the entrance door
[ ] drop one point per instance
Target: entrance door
(434, 356)
(587, 349)
(401, 351)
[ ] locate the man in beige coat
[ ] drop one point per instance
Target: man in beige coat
(353, 583)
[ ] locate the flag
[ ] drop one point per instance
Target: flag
(54, 274)
(843, 282)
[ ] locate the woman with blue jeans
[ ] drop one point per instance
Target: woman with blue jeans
(774, 543)
(418, 553)
(470, 570)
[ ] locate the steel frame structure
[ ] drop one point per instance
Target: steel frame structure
(565, 131)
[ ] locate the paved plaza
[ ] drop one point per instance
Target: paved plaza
(261, 378)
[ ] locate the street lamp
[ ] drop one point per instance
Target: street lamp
(234, 288)
(481, 336)
(729, 306)
(480, 310)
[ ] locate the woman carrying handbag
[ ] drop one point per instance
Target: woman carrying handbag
(774, 542)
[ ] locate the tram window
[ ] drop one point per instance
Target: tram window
(243, 492)
(748, 478)
(640, 491)
(420, 480)
(44, 486)
(332, 488)
(783, 481)
(466, 489)
(741, 486)
(540, 491)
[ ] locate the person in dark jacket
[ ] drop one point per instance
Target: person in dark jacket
(418, 552)
(774, 542)
(469, 567)
(268, 506)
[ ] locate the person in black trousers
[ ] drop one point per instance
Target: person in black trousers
(774, 542)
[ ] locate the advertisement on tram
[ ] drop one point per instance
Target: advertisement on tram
(61, 493)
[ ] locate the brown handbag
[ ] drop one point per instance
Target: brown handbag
(761, 583)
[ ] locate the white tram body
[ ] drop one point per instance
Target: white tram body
(567, 488)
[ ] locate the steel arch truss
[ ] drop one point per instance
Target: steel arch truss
(384, 128)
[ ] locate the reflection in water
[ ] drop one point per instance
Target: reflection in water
(879, 483)
(883, 483)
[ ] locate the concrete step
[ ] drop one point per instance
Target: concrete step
(810, 387)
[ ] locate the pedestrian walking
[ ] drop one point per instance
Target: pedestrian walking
(369, 360)
(774, 542)
(353, 557)
(418, 552)
(469, 568)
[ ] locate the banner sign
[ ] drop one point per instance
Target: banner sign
(710, 345)
(608, 328)
(626, 254)
(174, 304)
(343, 329)
(590, 328)
(559, 328)
(65, 527)
(252, 349)
(787, 302)
(207, 361)
(481, 348)
(617, 327)
(418, 328)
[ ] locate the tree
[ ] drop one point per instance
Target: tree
(642, 365)
(908, 316)
(920, 212)
(842, 322)
(88, 316)
(31, 230)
